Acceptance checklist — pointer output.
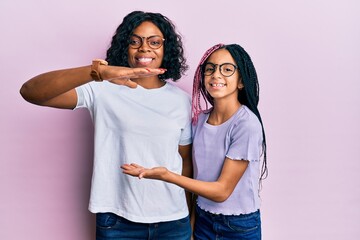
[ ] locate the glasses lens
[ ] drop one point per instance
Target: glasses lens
(209, 69)
(135, 41)
(155, 42)
(227, 69)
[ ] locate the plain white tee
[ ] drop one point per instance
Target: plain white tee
(143, 126)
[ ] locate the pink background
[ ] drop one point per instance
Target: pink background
(307, 56)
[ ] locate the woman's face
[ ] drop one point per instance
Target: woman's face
(222, 78)
(146, 56)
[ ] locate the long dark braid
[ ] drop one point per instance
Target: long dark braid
(249, 95)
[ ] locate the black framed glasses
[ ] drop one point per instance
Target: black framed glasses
(226, 69)
(153, 42)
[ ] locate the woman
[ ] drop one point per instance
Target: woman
(228, 141)
(136, 115)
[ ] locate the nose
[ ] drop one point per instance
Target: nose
(144, 46)
(216, 73)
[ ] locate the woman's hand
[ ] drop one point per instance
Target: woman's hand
(135, 170)
(123, 75)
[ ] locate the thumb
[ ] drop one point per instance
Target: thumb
(129, 83)
(124, 81)
(141, 175)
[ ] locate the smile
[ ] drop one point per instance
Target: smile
(217, 84)
(144, 60)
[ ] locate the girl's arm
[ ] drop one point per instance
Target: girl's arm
(217, 191)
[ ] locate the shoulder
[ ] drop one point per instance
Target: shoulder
(97, 86)
(177, 94)
(246, 120)
(88, 88)
(105, 90)
(176, 90)
(202, 118)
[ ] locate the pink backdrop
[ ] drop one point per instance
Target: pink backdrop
(307, 56)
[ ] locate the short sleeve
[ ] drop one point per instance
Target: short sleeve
(186, 138)
(85, 96)
(245, 140)
(186, 131)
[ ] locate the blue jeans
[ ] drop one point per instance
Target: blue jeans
(210, 226)
(110, 226)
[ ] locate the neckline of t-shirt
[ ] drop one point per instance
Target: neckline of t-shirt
(141, 88)
(224, 123)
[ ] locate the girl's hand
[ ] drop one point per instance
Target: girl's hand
(141, 172)
(123, 75)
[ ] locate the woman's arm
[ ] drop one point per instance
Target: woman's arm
(57, 88)
(217, 191)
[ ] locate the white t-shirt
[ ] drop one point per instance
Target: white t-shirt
(239, 138)
(143, 126)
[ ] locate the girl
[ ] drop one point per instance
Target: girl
(228, 141)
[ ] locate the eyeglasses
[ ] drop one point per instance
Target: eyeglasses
(226, 69)
(153, 42)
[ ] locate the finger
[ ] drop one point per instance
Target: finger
(130, 169)
(136, 165)
(147, 72)
(136, 73)
(131, 172)
(130, 84)
(126, 167)
(155, 70)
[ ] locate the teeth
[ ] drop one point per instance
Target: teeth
(217, 84)
(144, 59)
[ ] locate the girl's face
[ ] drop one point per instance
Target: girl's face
(144, 50)
(221, 75)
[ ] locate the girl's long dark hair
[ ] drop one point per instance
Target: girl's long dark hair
(248, 95)
(174, 60)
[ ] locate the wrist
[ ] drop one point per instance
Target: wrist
(168, 176)
(95, 69)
